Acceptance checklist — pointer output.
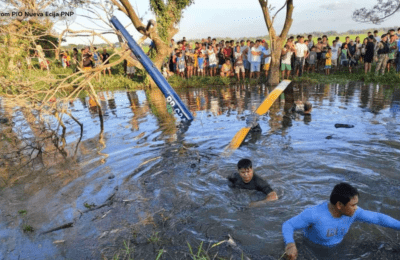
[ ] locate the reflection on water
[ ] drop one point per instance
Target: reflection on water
(151, 166)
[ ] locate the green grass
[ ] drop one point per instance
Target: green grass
(178, 82)
(160, 254)
(199, 253)
(202, 254)
(154, 238)
(22, 212)
(342, 37)
(128, 251)
(27, 228)
(118, 80)
(342, 77)
(89, 206)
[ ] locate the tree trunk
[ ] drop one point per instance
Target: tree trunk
(276, 49)
(276, 41)
(162, 53)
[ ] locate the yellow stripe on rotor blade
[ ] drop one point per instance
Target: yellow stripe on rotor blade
(239, 137)
(270, 99)
(262, 109)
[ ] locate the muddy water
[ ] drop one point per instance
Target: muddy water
(149, 183)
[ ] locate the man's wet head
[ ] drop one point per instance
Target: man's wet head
(344, 198)
(245, 169)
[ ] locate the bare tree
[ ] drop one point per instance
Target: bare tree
(168, 14)
(276, 41)
(378, 13)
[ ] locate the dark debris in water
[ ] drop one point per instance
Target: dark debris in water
(3, 120)
(343, 126)
(68, 225)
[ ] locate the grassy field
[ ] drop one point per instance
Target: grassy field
(330, 38)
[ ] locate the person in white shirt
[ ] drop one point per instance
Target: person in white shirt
(286, 55)
(267, 56)
(338, 42)
(335, 52)
(376, 36)
(212, 60)
(243, 51)
(301, 54)
(239, 67)
(310, 42)
(256, 52)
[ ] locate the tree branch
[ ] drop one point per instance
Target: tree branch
(377, 14)
(267, 18)
(288, 20)
(140, 27)
(120, 7)
(273, 18)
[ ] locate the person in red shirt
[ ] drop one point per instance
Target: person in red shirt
(227, 51)
(183, 45)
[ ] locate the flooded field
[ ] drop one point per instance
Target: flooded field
(146, 183)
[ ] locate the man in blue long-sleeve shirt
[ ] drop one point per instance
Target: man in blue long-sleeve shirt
(327, 223)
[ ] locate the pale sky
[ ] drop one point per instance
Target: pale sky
(239, 18)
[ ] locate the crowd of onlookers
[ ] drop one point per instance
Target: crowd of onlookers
(252, 58)
(85, 59)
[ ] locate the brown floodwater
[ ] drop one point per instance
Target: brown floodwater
(152, 183)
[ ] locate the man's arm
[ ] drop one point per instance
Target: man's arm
(272, 196)
(303, 220)
(377, 218)
(263, 186)
(306, 53)
(265, 54)
(231, 178)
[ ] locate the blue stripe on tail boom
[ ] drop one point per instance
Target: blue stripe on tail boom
(169, 93)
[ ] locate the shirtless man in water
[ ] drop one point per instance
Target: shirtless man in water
(246, 179)
(326, 224)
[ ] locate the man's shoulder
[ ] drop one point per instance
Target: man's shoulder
(316, 209)
(258, 179)
(234, 177)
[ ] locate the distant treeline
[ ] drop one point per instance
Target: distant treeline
(98, 46)
(315, 34)
(82, 46)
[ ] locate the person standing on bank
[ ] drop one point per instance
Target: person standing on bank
(246, 179)
(104, 58)
(369, 54)
(301, 53)
(87, 59)
(383, 51)
(326, 224)
(75, 60)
